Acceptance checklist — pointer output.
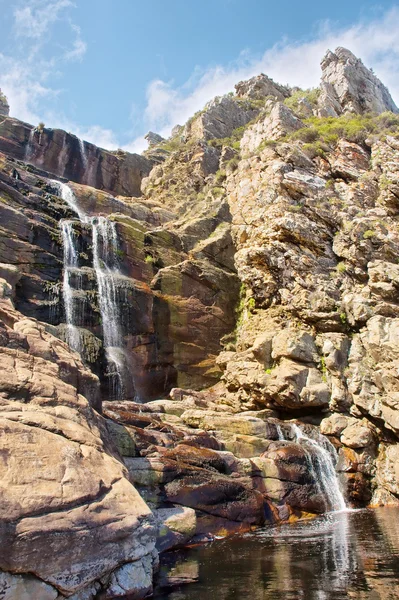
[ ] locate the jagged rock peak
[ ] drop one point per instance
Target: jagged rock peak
(153, 138)
(260, 87)
(4, 106)
(348, 86)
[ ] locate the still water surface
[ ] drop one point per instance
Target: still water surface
(340, 555)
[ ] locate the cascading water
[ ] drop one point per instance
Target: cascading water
(322, 466)
(105, 247)
(83, 153)
(105, 264)
(70, 264)
(30, 146)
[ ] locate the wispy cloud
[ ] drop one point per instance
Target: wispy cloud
(33, 18)
(297, 63)
(27, 77)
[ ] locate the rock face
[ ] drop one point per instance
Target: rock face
(220, 118)
(64, 155)
(348, 86)
(153, 138)
(260, 87)
(63, 484)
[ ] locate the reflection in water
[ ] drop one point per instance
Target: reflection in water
(351, 554)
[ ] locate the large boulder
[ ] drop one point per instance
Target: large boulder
(63, 485)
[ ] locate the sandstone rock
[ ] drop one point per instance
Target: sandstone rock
(60, 153)
(259, 87)
(387, 476)
(176, 526)
(25, 587)
(357, 436)
(63, 485)
(293, 385)
(348, 86)
(153, 138)
(219, 119)
(275, 125)
(335, 424)
(132, 579)
(209, 420)
(295, 345)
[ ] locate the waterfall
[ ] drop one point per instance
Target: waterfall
(322, 467)
(105, 264)
(83, 153)
(70, 263)
(105, 247)
(30, 146)
(280, 434)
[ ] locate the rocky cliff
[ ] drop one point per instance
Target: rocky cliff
(255, 281)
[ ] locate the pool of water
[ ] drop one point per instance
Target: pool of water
(352, 554)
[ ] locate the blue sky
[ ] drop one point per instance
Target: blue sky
(110, 70)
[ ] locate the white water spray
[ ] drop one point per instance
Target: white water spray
(322, 467)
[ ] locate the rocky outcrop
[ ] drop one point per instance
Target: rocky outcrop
(261, 87)
(273, 126)
(348, 86)
(220, 118)
(63, 484)
(153, 138)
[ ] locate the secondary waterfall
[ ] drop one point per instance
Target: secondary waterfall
(322, 466)
(83, 153)
(105, 264)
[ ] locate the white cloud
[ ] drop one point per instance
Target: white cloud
(27, 78)
(29, 84)
(34, 17)
(296, 63)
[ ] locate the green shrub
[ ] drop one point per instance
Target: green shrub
(220, 176)
(311, 95)
(368, 234)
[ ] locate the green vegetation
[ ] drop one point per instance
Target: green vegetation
(310, 95)
(343, 318)
(218, 191)
(220, 176)
(352, 127)
(232, 164)
(251, 304)
(149, 259)
(341, 267)
(233, 140)
(385, 182)
(368, 234)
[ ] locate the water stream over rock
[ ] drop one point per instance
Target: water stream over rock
(320, 454)
(106, 268)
